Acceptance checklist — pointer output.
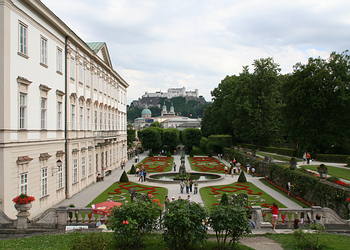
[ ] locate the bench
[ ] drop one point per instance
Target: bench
(108, 172)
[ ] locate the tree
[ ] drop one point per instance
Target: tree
(156, 124)
(151, 138)
(170, 138)
(183, 224)
(317, 104)
(124, 177)
(229, 223)
(131, 136)
(191, 137)
(241, 177)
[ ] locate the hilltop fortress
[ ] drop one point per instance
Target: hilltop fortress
(173, 92)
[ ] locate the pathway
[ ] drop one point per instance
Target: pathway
(261, 243)
(85, 196)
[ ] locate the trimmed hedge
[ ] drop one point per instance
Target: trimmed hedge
(124, 177)
(332, 158)
(241, 177)
(305, 186)
(281, 151)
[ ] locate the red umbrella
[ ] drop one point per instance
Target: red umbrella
(105, 208)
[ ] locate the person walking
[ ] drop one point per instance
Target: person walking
(187, 183)
(226, 170)
(144, 175)
(141, 175)
(304, 157)
(274, 211)
(195, 184)
(174, 167)
(191, 184)
(308, 158)
(182, 186)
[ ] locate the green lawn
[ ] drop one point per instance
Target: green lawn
(156, 164)
(65, 242)
(275, 157)
(119, 192)
(283, 193)
(206, 164)
(331, 241)
(212, 195)
(333, 171)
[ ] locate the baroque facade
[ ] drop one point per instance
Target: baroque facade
(62, 108)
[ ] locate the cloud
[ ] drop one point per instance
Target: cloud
(157, 44)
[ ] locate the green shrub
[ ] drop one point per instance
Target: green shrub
(124, 177)
(332, 179)
(203, 144)
(217, 143)
(91, 241)
(307, 240)
(132, 169)
(224, 199)
(197, 151)
(229, 223)
(168, 154)
(332, 158)
(132, 221)
(184, 224)
(242, 177)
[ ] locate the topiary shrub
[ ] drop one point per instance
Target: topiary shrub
(132, 169)
(124, 177)
(183, 224)
(242, 177)
(224, 199)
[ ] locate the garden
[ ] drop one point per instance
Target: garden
(256, 197)
(333, 171)
(156, 164)
(206, 164)
(121, 192)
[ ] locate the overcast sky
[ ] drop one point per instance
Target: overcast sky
(158, 44)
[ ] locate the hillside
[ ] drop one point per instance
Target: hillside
(184, 106)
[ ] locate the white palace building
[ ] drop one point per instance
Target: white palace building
(62, 108)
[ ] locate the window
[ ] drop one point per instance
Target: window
(72, 69)
(59, 60)
(75, 171)
(43, 50)
(43, 108)
(90, 164)
(23, 39)
(24, 183)
(22, 110)
(43, 182)
(83, 167)
(81, 116)
(95, 120)
(59, 175)
(88, 119)
(73, 116)
(59, 115)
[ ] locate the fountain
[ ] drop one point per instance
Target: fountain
(183, 174)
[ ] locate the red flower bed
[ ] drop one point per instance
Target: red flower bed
(136, 187)
(290, 194)
(23, 199)
(207, 164)
(342, 183)
(151, 166)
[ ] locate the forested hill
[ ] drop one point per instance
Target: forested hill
(189, 107)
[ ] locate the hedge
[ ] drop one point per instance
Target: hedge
(332, 158)
(281, 151)
(305, 186)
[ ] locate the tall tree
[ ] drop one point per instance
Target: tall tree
(317, 104)
(151, 138)
(191, 137)
(170, 138)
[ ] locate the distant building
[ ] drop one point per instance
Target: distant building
(173, 92)
(167, 120)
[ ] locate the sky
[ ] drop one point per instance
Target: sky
(159, 44)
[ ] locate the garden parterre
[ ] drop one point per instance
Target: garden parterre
(206, 164)
(156, 164)
(211, 195)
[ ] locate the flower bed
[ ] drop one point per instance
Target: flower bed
(156, 164)
(206, 164)
(120, 192)
(212, 195)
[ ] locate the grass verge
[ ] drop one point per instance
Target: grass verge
(333, 171)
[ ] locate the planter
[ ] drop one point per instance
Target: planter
(23, 207)
(22, 216)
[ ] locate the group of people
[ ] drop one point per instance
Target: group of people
(189, 185)
(141, 173)
(307, 157)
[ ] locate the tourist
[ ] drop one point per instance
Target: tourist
(137, 171)
(166, 202)
(136, 158)
(248, 168)
(308, 158)
(187, 183)
(141, 175)
(191, 185)
(174, 167)
(234, 161)
(195, 187)
(226, 170)
(274, 211)
(182, 186)
(252, 170)
(304, 157)
(289, 187)
(144, 175)
(238, 167)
